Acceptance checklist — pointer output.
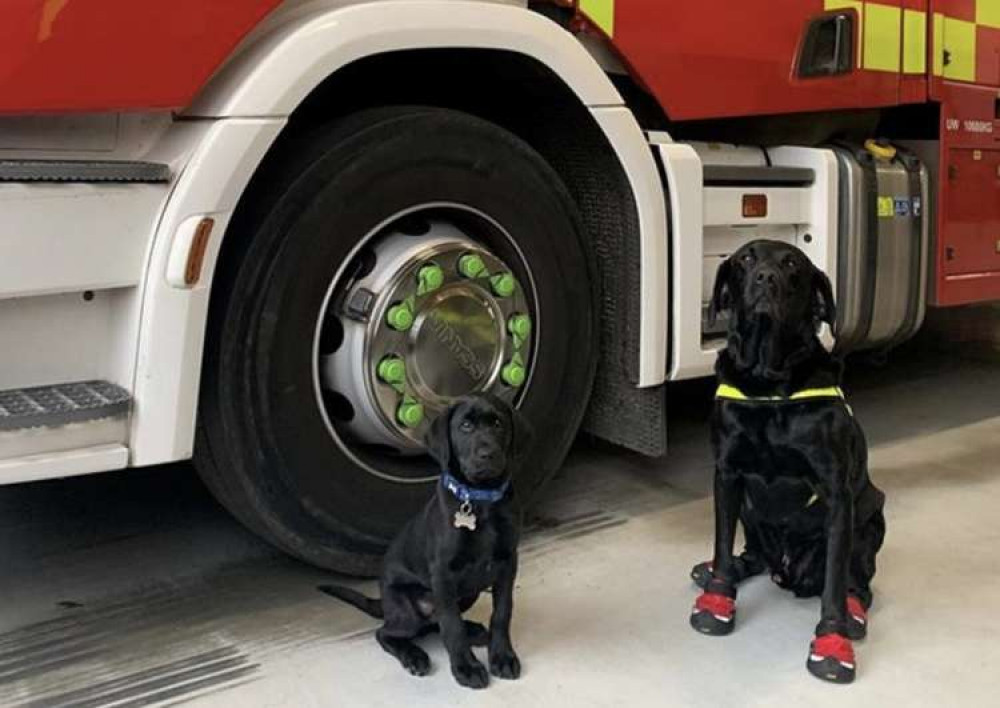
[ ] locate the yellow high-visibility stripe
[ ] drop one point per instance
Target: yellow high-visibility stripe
(882, 37)
(731, 393)
(988, 13)
(960, 43)
(601, 13)
(937, 66)
(894, 39)
(914, 42)
(859, 7)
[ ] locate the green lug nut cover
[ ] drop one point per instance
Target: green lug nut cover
(471, 266)
(519, 325)
(513, 374)
(503, 284)
(431, 277)
(410, 414)
(399, 317)
(392, 370)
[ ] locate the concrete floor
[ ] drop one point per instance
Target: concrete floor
(136, 589)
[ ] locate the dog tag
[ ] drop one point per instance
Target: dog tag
(464, 518)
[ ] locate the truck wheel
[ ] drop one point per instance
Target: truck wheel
(387, 265)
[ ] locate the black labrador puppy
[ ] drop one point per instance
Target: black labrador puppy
(791, 459)
(462, 542)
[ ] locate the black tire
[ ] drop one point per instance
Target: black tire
(263, 446)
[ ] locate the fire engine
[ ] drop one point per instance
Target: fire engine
(279, 236)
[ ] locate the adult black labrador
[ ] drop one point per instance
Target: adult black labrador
(462, 542)
(791, 459)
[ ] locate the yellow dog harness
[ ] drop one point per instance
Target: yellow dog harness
(731, 393)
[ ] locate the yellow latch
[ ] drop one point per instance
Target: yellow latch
(881, 152)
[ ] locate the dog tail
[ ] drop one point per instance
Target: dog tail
(369, 605)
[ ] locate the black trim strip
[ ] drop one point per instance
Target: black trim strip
(909, 324)
(82, 171)
(757, 176)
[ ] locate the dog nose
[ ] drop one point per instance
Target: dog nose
(486, 454)
(767, 278)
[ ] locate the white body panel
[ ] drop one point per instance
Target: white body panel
(71, 237)
(172, 335)
(84, 460)
(707, 225)
(298, 47)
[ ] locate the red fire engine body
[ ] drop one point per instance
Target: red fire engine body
(700, 60)
(176, 118)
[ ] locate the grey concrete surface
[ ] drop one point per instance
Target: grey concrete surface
(136, 589)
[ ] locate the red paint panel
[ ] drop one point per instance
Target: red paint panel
(988, 56)
(972, 237)
(967, 289)
(104, 55)
(715, 58)
(959, 9)
(968, 217)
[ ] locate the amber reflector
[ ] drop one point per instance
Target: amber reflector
(196, 256)
(754, 206)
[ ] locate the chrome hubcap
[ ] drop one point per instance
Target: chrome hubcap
(435, 316)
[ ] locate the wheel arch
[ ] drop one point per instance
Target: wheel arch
(545, 88)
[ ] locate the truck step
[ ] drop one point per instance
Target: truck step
(83, 171)
(61, 404)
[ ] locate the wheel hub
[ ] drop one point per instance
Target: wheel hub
(456, 343)
(437, 317)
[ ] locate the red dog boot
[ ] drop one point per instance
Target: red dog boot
(831, 658)
(857, 618)
(714, 612)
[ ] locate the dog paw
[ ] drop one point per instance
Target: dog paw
(701, 574)
(831, 658)
(416, 661)
(471, 674)
(505, 664)
(714, 614)
(477, 634)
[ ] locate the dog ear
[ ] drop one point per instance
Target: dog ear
(722, 296)
(438, 439)
(824, 307)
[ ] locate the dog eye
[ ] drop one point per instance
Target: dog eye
(747, 258)
(497, 423)
(789, 263)
(466, 426)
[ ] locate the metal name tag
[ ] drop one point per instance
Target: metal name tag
(464, 518)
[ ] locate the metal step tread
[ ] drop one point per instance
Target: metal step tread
(60, 404)
(83, 171)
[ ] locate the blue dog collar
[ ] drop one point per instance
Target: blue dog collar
(466, 493)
